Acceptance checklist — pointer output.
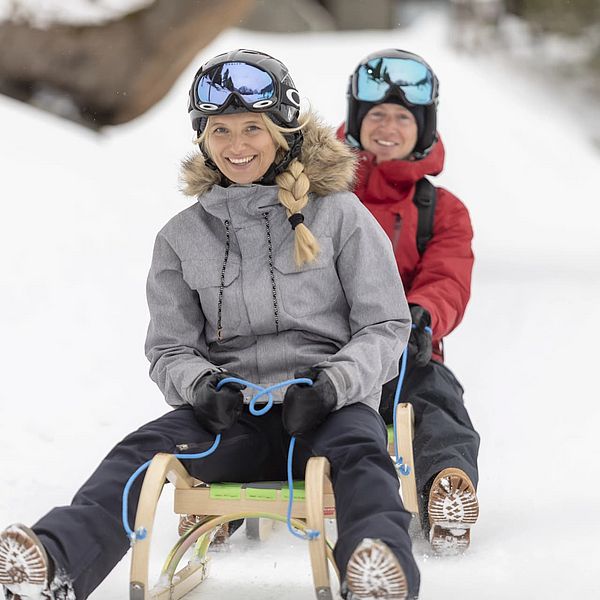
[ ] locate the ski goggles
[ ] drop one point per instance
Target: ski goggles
(256, 89)
(377, 78)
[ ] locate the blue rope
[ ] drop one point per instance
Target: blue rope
(310, 534)
(141, 532)
(402, 468)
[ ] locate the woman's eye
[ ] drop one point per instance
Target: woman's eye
(253, 128)
(220, 130)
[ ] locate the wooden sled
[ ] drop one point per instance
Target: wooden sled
(313, 502)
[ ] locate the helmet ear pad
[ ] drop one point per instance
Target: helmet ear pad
(428, 136)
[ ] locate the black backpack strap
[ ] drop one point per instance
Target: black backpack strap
(425, 199)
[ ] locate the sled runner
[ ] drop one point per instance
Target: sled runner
(405, 420)
(313, 502)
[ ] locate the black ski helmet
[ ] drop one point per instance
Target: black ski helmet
(425, 114)
(283, 109)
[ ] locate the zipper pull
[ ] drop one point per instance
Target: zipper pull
(396, 234)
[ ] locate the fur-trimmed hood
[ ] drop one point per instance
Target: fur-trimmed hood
(328, 163)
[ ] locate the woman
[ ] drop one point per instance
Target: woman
(391, 121)
(274, 272)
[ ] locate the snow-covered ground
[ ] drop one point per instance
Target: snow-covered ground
(79, 213)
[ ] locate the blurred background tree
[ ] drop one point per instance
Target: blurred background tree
(124, 58)
(571, 17)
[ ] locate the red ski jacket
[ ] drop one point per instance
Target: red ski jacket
(440, 279)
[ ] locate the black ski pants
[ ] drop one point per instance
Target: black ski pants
(444, 434)
(87, 539)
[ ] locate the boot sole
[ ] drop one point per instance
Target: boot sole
(374, 573)
(23, 560)
(453, 508)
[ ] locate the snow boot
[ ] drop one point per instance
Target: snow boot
(26, 569)
(374, 573)
(452, 508)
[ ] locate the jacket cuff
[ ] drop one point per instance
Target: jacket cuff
(187, 393)
(337, 378)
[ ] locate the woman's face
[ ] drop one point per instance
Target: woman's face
(389, 131)
(240, 146)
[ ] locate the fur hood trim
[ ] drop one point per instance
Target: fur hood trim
(328, 163)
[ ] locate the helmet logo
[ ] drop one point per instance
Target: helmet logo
(293, 96)
(262, 103)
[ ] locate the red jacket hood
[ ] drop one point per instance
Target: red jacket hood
(386, 183)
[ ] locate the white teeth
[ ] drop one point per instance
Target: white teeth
(240, 161)
(385, 143)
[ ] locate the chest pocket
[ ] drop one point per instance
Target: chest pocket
(310, 289)
(204, 276)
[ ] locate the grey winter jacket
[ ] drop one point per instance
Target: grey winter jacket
(345, 312)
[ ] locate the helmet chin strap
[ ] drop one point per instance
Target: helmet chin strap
(419, 155)
(208, 161)
(295, 141)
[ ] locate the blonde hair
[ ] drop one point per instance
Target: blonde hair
(293, 186)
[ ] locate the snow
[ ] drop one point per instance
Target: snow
(80, 212)
(43, 13)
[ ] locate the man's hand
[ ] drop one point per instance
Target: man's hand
(419, 344)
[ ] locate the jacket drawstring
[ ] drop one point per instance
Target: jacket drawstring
(224, 267)
(222, 286)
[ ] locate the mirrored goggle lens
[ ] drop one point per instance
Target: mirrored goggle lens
(248, 82)
(375, 78)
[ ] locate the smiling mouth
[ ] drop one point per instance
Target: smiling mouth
(241, 162)
(386, 143)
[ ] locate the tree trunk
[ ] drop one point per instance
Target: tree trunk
(111, 73)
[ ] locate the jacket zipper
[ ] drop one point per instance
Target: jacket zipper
(270, 206)
(396, 233)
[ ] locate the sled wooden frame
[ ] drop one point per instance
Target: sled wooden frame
(194, 497)
(405, 421)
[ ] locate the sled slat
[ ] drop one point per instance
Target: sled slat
(199, 501)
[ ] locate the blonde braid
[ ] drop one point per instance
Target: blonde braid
(293, 194)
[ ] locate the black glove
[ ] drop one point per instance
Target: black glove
(419, 344)
(216, 410)
(307, 406)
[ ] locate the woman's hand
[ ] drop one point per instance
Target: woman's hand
(217, 410)
(305, 407)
